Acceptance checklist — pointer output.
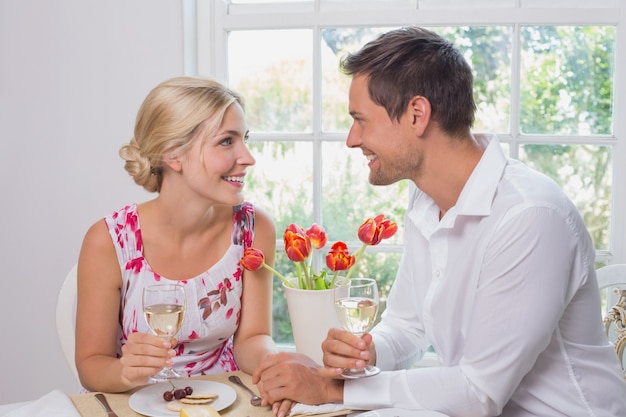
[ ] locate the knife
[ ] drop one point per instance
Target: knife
(104, 403)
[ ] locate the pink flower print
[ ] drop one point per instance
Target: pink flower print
(193, 335)
(138, 240)
(120, 239)
(247, 238)
(223, 299)
(204, 304)
(215, 298)
(237, 274)
(135, 264)
(131, 220)
(229, 313)
(229, 364)
(129, 324)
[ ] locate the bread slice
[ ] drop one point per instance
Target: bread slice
(198, 411)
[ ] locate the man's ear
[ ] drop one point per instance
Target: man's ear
(418, 111)
(173, 162)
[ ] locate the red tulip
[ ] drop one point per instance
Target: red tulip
(370, 233)
(317, 234)
(297, 243)
(338, 258)
(389, 228)
(252, 259)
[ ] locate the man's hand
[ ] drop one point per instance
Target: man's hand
(344, 350)
(294, 376)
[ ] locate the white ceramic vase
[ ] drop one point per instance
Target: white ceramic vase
(312, 313)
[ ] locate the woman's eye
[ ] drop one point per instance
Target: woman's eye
(227, 141)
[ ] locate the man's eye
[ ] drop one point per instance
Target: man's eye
(246, 139)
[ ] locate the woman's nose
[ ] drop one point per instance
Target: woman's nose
(246, 157)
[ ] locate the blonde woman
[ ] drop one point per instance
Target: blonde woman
(189, 147)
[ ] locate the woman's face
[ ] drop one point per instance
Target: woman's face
(215, 166)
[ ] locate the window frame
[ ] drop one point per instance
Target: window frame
(207, 23)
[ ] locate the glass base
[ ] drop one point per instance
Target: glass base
(165, 374)
(354, 373)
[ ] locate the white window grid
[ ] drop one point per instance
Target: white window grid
(208, 22)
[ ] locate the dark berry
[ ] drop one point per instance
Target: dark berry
(188, 390)
(168, 396)
(179, 393)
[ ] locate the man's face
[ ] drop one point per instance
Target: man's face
(388, 145)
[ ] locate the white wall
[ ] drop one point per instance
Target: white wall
(72, 76)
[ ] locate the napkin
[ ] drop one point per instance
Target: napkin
(54, 404)
(309, 410)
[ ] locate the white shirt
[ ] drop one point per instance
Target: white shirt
(504, 289)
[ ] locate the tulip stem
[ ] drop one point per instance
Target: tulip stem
(357, 256)
(278, 274)
(301, 283)
(307, 277)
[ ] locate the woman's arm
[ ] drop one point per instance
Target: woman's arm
(253, 339)
(97, 318)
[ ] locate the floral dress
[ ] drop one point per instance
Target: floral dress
(213, 297)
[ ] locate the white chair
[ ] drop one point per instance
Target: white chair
(66, 318)
(612, 279)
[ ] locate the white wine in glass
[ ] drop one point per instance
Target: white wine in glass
(357, 313)
(164, 310)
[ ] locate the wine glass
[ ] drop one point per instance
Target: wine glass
(356, 308)
(164, 310)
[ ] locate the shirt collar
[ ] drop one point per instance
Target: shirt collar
(480, 189)
(475, 198)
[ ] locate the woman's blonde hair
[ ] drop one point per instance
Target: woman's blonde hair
(171, 116)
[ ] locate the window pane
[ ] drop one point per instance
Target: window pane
(487, 49)
(281, 182)
(348, 199)
(584, 172)
(281, 326)
(567, 79)
(336, 44)
(272, 69)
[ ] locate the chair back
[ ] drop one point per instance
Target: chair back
(66, 319)
(612, 279)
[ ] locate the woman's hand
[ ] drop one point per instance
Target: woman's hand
(144, 355)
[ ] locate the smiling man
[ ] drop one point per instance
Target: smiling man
(497, 274)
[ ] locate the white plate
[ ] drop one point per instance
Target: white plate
(149, 400)
(398, 412)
